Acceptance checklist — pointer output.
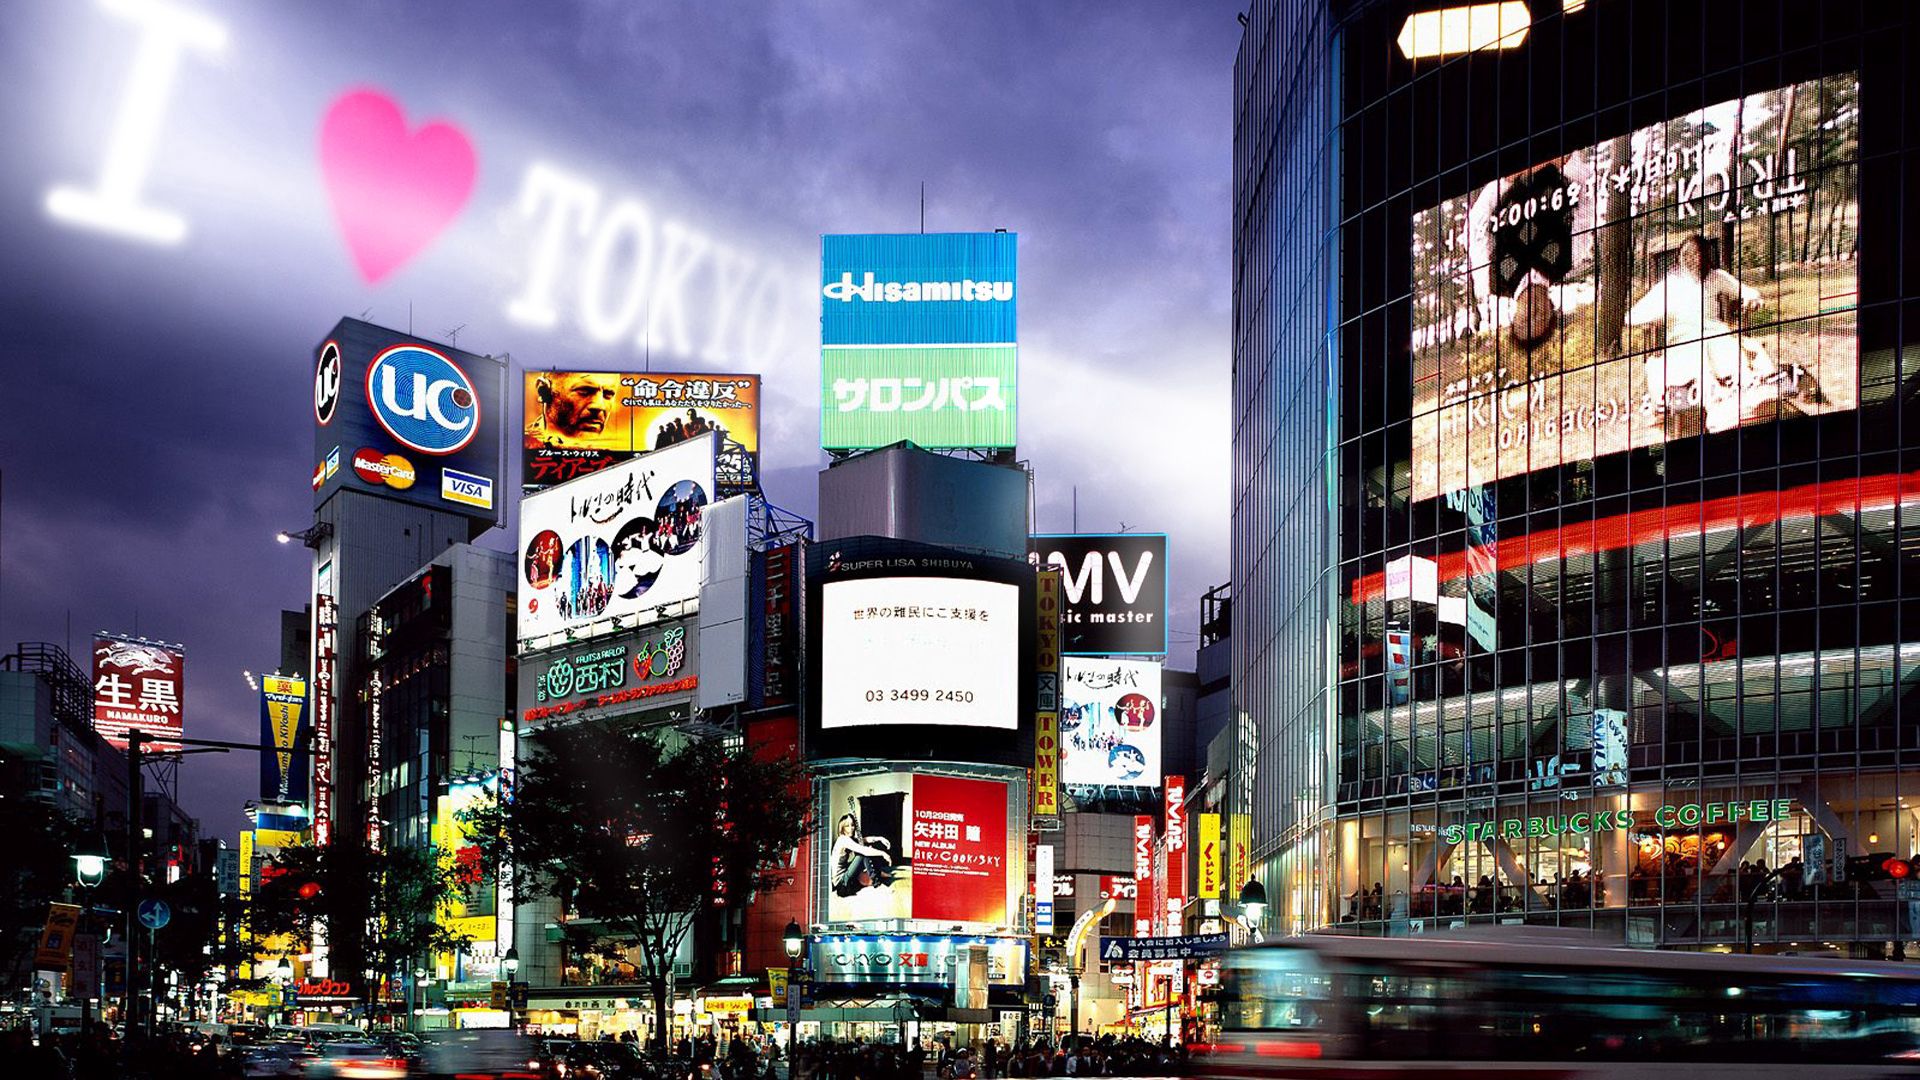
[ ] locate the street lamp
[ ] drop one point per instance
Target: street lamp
(419, 986)
(795, 940)
(1253, 905)
(510, 963)
(90, 862)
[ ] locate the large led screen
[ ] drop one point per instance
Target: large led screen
(1689, 277)
(915, 846)
(623, 545)
(930, 651)
(579, 422)
(1110, 722)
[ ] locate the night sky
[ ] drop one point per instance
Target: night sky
(155, 420)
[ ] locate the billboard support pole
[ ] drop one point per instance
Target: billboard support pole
(129, 978)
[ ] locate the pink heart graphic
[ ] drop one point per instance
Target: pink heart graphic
(392, 190)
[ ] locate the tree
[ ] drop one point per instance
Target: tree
(637, 832)
(402, 895)
(36, 869)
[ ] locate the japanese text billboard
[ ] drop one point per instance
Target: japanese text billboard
(283, 726)
(409, 419)
(622, 545)
(1688, 277)
(633, 671)
(920, 650)
(1110, 722)
(918, 336)
(579, 422)
(918, 846)
(1116, 586)
(138, 684)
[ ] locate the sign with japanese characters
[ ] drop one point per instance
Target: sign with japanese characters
(918, 846)
(617, 548)
(1110, 722)
(634, 671)
(919, 341)
(138, 684)
(920, 650)
(283, 773)
(1124, 950)
(579, 422)
(1046, 674)
(1690, 277)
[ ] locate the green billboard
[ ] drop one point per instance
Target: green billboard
(932, 395)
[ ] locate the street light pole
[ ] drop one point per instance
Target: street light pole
(511, 964)
(795, 941)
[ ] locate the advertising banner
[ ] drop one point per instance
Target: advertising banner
(1117, 888)
(919, 959)
(1176, 849)
(1116, 591)
(1206, 846)
(283, 726)
(909, 846)
(1239, 852)
(1110, 722)
(54, 951)
(633, 671)
(1661, 284)
(408, 419)
(1043, 889)
(326, 620)
(578, 422)
(918, 340)
(620, 546)
(962, 396)
(1143, 909)
(1046, 717)
(138, 684)
(780, 628)
(920, 650)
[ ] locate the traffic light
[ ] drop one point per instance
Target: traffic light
(1882, 866)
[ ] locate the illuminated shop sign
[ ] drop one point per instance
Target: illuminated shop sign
(900, 958)
(652, 668)
(1682, 816)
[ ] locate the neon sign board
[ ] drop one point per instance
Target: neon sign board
(1683, 816)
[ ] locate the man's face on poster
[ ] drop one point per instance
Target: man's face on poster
(579, 404)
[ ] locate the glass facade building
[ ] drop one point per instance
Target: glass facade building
(1574, 436)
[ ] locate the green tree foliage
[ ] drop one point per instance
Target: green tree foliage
(400, 896)
(636, 832)
(36, 869)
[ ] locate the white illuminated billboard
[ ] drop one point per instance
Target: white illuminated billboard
(941, 652)
(1109, 722)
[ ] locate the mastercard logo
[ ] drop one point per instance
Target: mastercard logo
(390, 469)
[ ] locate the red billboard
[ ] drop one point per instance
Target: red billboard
(959, 849)
(1174, 889)
(1143, 876)
(138, 684)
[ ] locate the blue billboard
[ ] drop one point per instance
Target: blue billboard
(408, 419)
(918, 289)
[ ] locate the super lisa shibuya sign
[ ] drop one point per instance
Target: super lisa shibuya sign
(407, 419)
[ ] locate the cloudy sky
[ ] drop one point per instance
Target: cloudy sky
(155, 426)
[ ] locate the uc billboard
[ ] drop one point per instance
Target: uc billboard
(918, 340)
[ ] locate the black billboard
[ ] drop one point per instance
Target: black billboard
(408, 419)
(1115, 585)
(918, 653)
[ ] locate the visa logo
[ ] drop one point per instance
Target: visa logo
(456, 486)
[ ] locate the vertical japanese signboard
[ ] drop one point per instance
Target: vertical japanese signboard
(780, 630)
(1206, 845)
(1043, 889)
(283, 773)
(1176, 887)
(138, 684)
(1239, 850)
(326, 621)
(1143, 876)
(1046, 721)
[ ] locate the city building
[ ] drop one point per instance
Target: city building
(1569, 435)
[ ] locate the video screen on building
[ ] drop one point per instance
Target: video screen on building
(1689, 277)
(928, 651)
(579, 422)
(916, 846)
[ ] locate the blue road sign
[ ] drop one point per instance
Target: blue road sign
(153, 914)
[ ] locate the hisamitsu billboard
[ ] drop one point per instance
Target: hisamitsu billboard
(918, 289)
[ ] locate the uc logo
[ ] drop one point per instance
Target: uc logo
(423, 399)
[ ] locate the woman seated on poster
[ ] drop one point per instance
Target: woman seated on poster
(1693, 303)
(858, 865)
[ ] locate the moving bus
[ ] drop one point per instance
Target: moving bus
(1535, 1002)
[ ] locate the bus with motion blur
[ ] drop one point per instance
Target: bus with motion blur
(1539, 1003)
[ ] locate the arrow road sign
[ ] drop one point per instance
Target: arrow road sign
(153, 914)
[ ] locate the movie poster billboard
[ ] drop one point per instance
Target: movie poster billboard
(917, 846)
(138, 684)
(283, 726)
(623, 544)
(1110, 722)
(580, 422)
(1692, 276)
(1116, 591)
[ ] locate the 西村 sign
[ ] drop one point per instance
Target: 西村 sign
(636, 671)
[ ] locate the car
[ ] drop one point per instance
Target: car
(482, 1053)
(360, 1060)
(272, 1059)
